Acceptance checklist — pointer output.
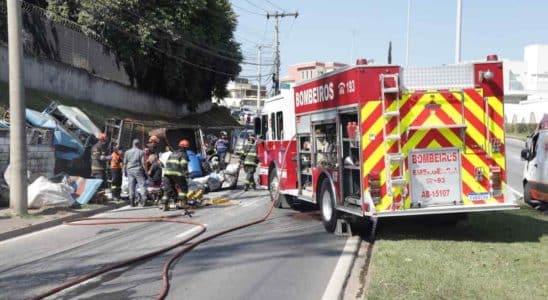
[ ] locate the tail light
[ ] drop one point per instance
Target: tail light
(478, 174)
(374, 182)
(496, 145)
(495, 180)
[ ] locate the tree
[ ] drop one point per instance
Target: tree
(182, 50)
(4, 20)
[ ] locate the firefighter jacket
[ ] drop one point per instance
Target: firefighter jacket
(116, 160)
(249, 155)
(98, 153)
(177, 164)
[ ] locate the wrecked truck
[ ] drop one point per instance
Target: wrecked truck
(73, 136)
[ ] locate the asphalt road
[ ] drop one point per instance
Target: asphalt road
(289, 256)
(514, 164)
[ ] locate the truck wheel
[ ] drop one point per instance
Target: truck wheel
(327, 206)
(274, 188)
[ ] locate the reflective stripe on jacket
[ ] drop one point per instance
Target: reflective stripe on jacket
(250, 153)
(177, 163)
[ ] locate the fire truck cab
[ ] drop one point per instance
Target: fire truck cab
(535, 173)
(384, 141)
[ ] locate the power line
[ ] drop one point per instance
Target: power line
(247, 10)
(255, 5)
(275, 6)
(181, 39)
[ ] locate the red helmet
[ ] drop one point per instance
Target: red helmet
(102, 136)
(184, 143)
(153, 139)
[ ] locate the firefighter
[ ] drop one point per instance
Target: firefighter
(175, 173)
(250, 160)
(99, 158)
(116, 173)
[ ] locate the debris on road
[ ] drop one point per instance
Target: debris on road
(43, 192)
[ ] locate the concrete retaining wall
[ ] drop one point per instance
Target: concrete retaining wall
(68, 81)
(41, 153)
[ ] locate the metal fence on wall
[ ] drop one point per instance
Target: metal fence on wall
(66, 43)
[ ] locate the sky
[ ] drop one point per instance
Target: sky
(345, 30)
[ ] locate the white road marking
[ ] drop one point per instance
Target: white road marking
(249, 203)
(516, 192)
(342, 269)
(189, 232)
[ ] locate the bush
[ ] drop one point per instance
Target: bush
(522, 128)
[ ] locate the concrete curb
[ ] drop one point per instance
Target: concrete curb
(335, 288)
(51, 223)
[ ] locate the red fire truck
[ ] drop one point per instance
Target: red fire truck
(384, 141)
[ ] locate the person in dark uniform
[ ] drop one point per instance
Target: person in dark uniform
(175, 173)
(99, 158)
(250, 160)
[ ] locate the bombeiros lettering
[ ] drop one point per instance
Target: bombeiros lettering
(425, 158)
(317, 94)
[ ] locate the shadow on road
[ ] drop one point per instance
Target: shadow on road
(524, 225)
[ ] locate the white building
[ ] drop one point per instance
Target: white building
(242, 93)
(308, 70)
(526, 85)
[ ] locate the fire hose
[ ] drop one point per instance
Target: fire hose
(165, 270)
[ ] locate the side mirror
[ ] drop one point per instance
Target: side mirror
(258, 127)
(525, 154)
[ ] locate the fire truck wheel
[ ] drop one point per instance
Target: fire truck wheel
(274, 189)
(327, 206)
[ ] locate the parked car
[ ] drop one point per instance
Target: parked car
(535, 173)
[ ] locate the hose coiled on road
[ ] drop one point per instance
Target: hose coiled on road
(165, 270)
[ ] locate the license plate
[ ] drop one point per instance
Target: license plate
(478, 196)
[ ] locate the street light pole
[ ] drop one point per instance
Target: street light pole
(408, 28)
(18, 138)
(258, 79)
(458, 39)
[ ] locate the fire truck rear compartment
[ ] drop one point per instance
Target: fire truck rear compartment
(394, 142)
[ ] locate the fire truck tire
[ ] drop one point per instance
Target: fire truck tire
(327, 206)
(274, 188)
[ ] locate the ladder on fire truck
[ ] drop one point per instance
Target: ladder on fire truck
(390, 90)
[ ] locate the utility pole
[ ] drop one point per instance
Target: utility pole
(18, 137)
(277, 15)
(408, 28)
(259, 80)
(458, 39)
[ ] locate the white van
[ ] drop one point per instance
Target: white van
(535, 173)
